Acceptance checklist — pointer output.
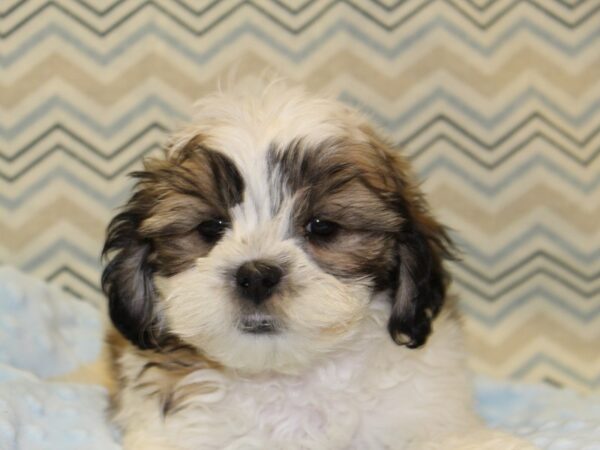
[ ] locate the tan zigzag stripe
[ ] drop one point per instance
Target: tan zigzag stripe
(555, 332)
(447, 197)
(59, 210)
(154, 65)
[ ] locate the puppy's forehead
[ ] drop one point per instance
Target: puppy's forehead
(249, 130)
(244, 127)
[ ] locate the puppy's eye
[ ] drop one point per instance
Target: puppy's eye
(319, 228)
(212, 230)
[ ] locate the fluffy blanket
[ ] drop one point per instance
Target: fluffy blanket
(44, 333)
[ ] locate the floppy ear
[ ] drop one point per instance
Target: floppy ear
(423, 244)
(127, 277)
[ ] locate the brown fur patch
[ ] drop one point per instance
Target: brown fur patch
(385, 229)
(345, 182)
(179, 192)
(161, 373)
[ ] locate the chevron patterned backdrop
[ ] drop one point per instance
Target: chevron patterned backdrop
(496, 102)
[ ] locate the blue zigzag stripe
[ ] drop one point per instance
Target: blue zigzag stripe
(474, 115)
(152, 101)
(490, 293)
(65, 134)
(62, 246)
(339, 27)
(65, 269)
(75, 180)
(545, 359)
(524, 145)
(55, 103)
(265, 11)
(131, 161)
(489, 189)
(516, 305)
(506, 252)
(107, 154)
(537, 260)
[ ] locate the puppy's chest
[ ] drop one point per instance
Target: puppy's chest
(340, 406)
(332, 412)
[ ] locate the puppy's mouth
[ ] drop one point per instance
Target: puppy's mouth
(258, 324)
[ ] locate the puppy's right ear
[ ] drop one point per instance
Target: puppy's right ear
(127, 277)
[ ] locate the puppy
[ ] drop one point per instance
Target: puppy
(277, 281)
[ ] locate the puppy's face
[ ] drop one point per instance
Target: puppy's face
(263, 235)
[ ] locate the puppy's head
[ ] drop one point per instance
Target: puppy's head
(266, 230)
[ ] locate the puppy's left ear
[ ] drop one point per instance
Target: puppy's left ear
(423, 244)
(127, 277)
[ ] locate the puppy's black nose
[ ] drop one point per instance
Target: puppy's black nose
(256, 280)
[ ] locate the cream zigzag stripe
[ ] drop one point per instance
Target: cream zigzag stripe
(418, 110)
(562, 341)
(488, 12)
(428, 140)
(153, 65)
(297, 47)
(496, 333)
(376, 18)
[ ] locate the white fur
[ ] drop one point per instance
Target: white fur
(312, 386)
(371, 395)
(199, 306)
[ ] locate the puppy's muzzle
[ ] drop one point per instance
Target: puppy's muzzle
(257, 280)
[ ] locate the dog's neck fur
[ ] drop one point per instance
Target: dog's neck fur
(368, 395)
